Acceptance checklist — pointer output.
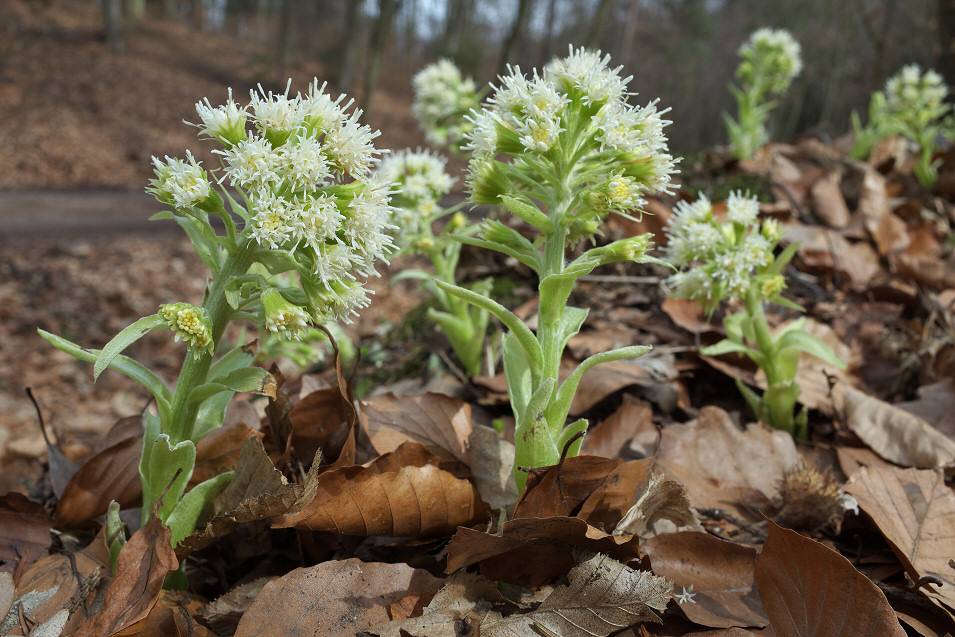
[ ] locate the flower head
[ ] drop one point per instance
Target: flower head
(720, 261)
(443, 97)
(181, 184)
(191, 324)
(915, 98)
(283, 318)
(419, 182)
(772, 58)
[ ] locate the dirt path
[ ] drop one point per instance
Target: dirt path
(87, 215)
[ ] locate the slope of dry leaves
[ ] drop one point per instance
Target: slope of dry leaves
(393, 513)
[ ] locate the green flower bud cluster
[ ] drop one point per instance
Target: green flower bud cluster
(191, 325)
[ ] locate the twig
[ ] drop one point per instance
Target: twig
(719, 514)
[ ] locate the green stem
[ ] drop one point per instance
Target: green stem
(195, 370)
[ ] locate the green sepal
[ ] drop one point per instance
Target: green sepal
(122, 364)
(277, 262)
(517, 327)
(806, 342)
(528, 213)
(195, 506)
(160, 461)
(560, 406)
(115, 535)
(124, 339)
(252, 380)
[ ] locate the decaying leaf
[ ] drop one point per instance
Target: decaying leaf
(633, 418)
(24, 531)
(491, 459)
(714, 459)
(224, 613)
(935, 405)
(896, 434)
(173, 615)
(561, 489)
(112, 474)
(219, 451)
(533, 551)
(333, 599)
(325, 420)
(914, 509)
(143, 564)
(828, 202)
(8, 593)
(439, 422)
(719, 573)
(808, 589)
(663, 508)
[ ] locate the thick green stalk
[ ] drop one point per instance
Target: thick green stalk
(779, 404)
(194, 370)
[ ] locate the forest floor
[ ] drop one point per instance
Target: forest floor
(675, 477)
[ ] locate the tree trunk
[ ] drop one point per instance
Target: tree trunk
(946, 41)
(520, 22)
(137, 11)
(379, 39)
(599, 23)
(351, 39)
(288, 36)
(113, 15)
(547, 46)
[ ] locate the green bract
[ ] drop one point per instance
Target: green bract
(734, 260)
(312, 217)
(559, 150)
(770, 61)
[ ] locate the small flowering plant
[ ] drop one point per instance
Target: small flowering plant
(309, 205)
(733, 261)
(912, 104)
(420, 181)
(561, 151)
(442, 99)
(771, 59)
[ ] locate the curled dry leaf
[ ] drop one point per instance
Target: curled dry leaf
(663, 507)
(719, 573)
(24, 531)
(935, 405)
(611, 500)
(808, 589)
(828, 202)
(533, 551)
(561, 489)
(334, 599)
(8, 593)
(219, 451)
(713, 458)
(439, 422)
(325, 420)
(223, 614)
(491, 459)
(896, 434)
(143, 564)
(914, 509)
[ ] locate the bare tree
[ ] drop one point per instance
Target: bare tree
(379, 39)
(599, 23)
(288, 36)
(517, 28)
(352, 41)
(113, 16)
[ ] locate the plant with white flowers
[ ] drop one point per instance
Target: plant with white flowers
(309, 205)
(732, 261)
(560, 151)
(420, 182)
(442, 99)
(912, 104)
(771, 59)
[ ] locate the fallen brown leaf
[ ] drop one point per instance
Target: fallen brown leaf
(828, 202)
(719, 574)
(896, 434)
(935, 405)
(143, 564)
(634, 417)
(663, 507)
(219, 451)
(491, 459)
(914, 510)
(333, 599)
(24, 532)
(808, 589)
(610, 501)
(533, 551)
(439, 422)
(561, 489)
(224, 613)
(173, 615)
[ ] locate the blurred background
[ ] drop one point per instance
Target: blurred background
(91, 89)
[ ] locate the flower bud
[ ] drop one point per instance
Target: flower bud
(283, 318)
(191, 324)
(183, 185)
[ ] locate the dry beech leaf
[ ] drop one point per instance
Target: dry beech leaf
(24, 531)
(915, 511)
(822, 249)
(935, 405)
(689, 315)
(223, 614)
(143, 564)
(561, 489)
(491, 459)
(633, 417)
(219, 451)
(608, 378)
(663, 508)
(828, 202)
(808, 589)
(324, 419)
(112, 474)
(439, 422)
(714, 460)
(896, 434)
(333, 599)
(171, 616)
(390, 497)
(533, 551)
(610, 501)
(886, 229)
(719, 572)
(8, 593)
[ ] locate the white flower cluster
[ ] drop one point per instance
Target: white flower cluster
(420, 181)
(771, 56)
(442, 97)
(191, 324)
(305, 168)
(577, 111)
(720, 261)
(914, 97)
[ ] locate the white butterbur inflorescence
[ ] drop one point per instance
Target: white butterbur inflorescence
(772, 58)
(419, 181)
(720, 260)
(443, 96)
